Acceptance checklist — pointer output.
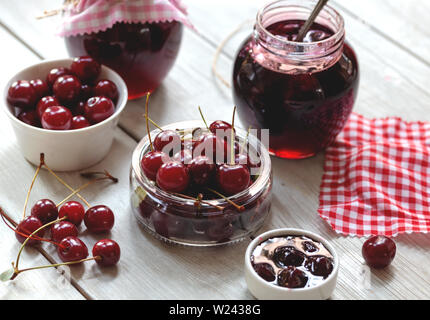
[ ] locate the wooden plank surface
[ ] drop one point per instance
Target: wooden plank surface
(393, 82)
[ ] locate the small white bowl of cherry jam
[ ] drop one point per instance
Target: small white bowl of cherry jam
(193, 196)
(67, 109)
(291, 264)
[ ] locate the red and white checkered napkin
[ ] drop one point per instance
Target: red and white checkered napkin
(377, 178)
(87, 16)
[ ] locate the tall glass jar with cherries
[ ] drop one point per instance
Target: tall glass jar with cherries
(303, 92)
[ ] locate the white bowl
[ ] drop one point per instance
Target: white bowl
(66, 150)
(264, 290)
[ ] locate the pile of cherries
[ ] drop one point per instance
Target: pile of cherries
(64, 233)
(200, 162)
(68, 98)
(291, 266)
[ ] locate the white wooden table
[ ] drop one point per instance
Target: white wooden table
(392, 41)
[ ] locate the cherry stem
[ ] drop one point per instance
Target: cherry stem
(105, 173)
(239, 208)
(107, 176)
(53, 265)
(203, 118)
(198, 199)
(66, 185)
(32, 234)
(232, 162)
(41, 163)
(154, 123)
(147, 121)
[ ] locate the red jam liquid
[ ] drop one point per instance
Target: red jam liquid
(142, 53)
(304, 112)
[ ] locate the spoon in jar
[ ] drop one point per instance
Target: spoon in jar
(305, 28)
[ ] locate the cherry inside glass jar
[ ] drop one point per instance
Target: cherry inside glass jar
(303, 92)
(175, 219)
(142, 53)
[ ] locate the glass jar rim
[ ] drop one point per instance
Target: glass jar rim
(308, 5)
(247, 195)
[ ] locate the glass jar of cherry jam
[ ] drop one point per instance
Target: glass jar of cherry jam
(175, 219)
(142, 53)
(303, 92)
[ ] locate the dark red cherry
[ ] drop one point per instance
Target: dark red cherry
(79, 122)
(151, 162)
(73, 210)
(291, 277)
(41, 87)
(265, 271)
(86, 92)
(44, 103)
(45, 210)
(288, 256)
(184, 156)
(86, 68)
(201, 170)
(99, 219)
(98, 109)
(232, 179)
(309, 246)
(67, 89)
(55, 73)
(221, 230)
(173, 177)
(167, 137)
(72, 249)
(168, 225)
(319, 265)
(211, 146)
(27, 227)
(379, 251)
(29, 117)
(63, 229)
(160, 222)
(219, 125)
(57, 118)
(21, 94)
(106, 88)
(108, 251)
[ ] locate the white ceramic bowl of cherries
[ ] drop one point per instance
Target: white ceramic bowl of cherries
(67, 109)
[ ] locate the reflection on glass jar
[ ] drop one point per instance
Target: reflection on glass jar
(176, 219)
(142, 53)
(303, 92)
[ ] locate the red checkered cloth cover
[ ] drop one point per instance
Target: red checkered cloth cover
(377, 178)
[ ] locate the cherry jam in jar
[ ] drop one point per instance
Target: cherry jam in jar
(303, 92)
(142, 53)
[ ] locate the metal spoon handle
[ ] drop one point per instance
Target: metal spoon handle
(305, 28)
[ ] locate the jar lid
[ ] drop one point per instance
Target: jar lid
(88, 16)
